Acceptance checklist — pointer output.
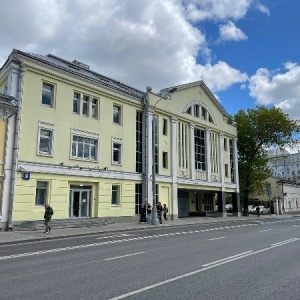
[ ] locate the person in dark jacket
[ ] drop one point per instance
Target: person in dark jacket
(47, 216)
(165, 212)
(159, 212)
(149, 210)
(257, 210)
(143, 214)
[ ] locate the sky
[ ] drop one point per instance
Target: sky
(246, 51)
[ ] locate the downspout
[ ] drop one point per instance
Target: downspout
(16, 144)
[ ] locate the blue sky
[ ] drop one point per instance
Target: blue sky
(246, 51)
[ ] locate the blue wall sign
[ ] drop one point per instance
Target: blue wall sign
(25, 175)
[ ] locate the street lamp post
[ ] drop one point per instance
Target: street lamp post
(154, 218)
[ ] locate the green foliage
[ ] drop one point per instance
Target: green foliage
(259, 129)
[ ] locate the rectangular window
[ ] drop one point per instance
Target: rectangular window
(138, 198)
(199, 150)
(117, 114)
(226, 170)
(95, 108)
(117, 153)
(115, 195)
(139, 142)
(84, 148)
(45, 141)
(165, 127)
(41, 193)
(203, 113)
(85, 106)
(165, 160)
(196, 110)
(47, 94)
(76, 103)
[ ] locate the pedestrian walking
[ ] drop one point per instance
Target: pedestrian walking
(165, 212)
(149, 210)
(143, 214)
(159, 212)
(47, 216)
(257, 210)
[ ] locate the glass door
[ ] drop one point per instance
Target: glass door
(80, 202)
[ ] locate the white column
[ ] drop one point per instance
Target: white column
(207, 154)
(12, 90)
(192, 151)
(174, 167)
(221, 155)
(235, 164)
(149, 156)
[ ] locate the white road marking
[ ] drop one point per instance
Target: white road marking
(112, 236)
(222, 237)
(265, 230)
(207, 267)
(122, 256)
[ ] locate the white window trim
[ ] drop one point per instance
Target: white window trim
(49, 127)
(53, 93)
(97, 107)
(47, 193)
(78, 104)
(120, 116)
(85, 134)
(116, 141)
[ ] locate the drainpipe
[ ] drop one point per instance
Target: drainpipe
(22, 70)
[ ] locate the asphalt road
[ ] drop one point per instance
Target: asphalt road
(258, 259)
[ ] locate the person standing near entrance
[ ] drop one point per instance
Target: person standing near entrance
(149, 209)
(165, 211)
(47, 216)
(257, 210)
(159, 212)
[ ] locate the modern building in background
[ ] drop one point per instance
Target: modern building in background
(84, 142)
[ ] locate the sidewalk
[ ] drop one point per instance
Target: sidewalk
(15, 237)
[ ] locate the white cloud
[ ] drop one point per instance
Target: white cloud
(279, 87)
(200, 10)
(262, 8)
(229, 32)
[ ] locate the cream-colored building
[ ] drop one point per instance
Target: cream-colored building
(83, 142)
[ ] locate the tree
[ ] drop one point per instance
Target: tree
(258, 129)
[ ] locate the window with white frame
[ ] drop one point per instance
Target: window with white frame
(117, 114)
(165, 127)
(76, 98)
(95, 108)
(84, 147)
(203, 113)
(199, 150)
(116, 152)
(45, 141)
(196, 110)
(41, 193)
(48, 94)
(115, 195)
(85, 106)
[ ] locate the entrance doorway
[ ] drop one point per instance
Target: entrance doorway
(80, 198)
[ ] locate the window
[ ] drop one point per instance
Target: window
(199, 150)
(95, 108)
(139, 142)
(165, 160)
(85, 105)
(117, 114)
(210, 119)
(76, 103)
(189, 110)
(47, 94)
(45, 141)
(115, 195)
(196, 110)
(138, 198)
(41, 193)
(117, 153)
(226, 170)
(84, 148)
(203, 115)
(165, 127)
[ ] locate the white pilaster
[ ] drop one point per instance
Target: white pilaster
(192, 151)
(235, 163)
(149, 156)
(207, 154)
(174, 167)
(12, 90)
(221, 155)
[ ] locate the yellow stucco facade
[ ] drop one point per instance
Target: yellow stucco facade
(88, 151)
